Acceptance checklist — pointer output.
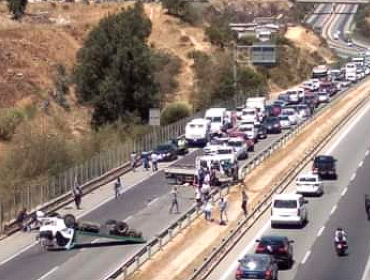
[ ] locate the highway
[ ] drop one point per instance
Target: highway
(341, 205)
(144, 207)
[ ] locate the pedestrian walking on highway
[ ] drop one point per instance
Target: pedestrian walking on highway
(145, 157)
(174, 201)
(222, 204)
(77, 194)
(154, 159)
(117, 188)
(208, 210)
(245, 203)
(133, 157)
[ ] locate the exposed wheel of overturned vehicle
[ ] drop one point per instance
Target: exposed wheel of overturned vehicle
(69, 221)
(89, 227)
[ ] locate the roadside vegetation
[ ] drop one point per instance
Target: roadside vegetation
(361, 20)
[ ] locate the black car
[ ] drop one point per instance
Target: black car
(324, 166)
(261, 131)
(272, 125)
(166, 152)
(280, 247)
(257, 266)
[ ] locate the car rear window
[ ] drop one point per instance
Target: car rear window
(307, 179)
(285, 204)
(274, 240)
(254, 263)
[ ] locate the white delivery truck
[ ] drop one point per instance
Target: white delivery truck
(259, 103)
(217, 117)
(351, 72)
(197, 131)
(320, 72)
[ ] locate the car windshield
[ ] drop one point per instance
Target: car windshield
(275, 240)
(307, 179)
(284, 118)
(224, 151)
(214, 119)
(248, 113)
(235, 143)
(285, 204)
(254, 263)
(324, 159)
(246, 128)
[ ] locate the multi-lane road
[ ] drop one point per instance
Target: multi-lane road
(341, 205)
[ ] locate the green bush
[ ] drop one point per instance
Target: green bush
(17, 7)
(174, 112)
(9, 120)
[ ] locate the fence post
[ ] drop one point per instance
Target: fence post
(1, 216)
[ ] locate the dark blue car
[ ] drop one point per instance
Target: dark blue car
(257, 266)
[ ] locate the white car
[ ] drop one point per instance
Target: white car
(288, 209)
(316, 83)
(291, 113)
(323, 97)
(309, 184)
(249, 129)
(284, 122)
(293, 96)
(239, 146)
(250, 114)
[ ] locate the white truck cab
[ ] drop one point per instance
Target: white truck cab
(197, 131)
(217, 117)
(250, 114)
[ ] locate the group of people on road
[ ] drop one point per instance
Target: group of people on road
(148, 160)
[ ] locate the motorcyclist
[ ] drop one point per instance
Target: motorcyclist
(181, 144)
(340, 235)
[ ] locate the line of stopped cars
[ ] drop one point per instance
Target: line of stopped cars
(275, 252)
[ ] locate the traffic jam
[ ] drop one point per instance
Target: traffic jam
(227, 137)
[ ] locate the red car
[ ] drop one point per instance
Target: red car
(237, 133)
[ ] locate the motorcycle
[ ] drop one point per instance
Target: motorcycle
(341, 248)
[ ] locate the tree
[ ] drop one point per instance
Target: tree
(17, 7)
(114, 70)
(174, 112)
(182, 9)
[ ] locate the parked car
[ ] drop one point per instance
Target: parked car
(261, 131)
(166, 152)
(257, 266)
(272, 125)
(280, 247)
(288, 209)
(324, 165)
(285, 122)
(239, 147)
(310, 184)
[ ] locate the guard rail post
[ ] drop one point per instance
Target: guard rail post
(170, 234)
(137, 262)
(149, 251)
(188, 217)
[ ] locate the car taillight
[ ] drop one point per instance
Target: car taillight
(283, 249)
(268, 274)
(260, 249)
(238, 273)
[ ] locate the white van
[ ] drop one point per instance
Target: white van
(292, 95)
(250, 114)
(259, 103)
(217, 117)
(197, 131)
(288, 209)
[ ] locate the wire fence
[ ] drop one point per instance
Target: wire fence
(36, 196)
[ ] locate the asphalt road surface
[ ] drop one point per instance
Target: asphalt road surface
(350, 147)
(144, 207)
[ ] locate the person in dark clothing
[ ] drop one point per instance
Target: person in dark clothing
(21, 220)
(145, 158)
(117, 188)
(245, 203)
(77, 193)
(174, 201)
(367, 205)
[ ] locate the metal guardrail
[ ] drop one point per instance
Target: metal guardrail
(234, 236)
(155, 245)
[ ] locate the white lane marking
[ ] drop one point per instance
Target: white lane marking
(128, 218)
(321, 231)
(153, 201)
(234, 265)
(365, 275)
(333, 209)
(19, 253)
(344, 191)
(48, 273)
(348, 129)
(361, 163)
(367, 153)
(305, 258)
(353, 176)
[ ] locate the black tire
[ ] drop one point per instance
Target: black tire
(89, 227)
(121, 228)
(69, 221)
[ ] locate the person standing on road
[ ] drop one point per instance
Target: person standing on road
(154, 159)
(208, 210)
(117, 188)
(223, 211)
(133, 157)
(145, 157)
(245, 203)
(174, 201)
(367, 205)
(77, 194)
